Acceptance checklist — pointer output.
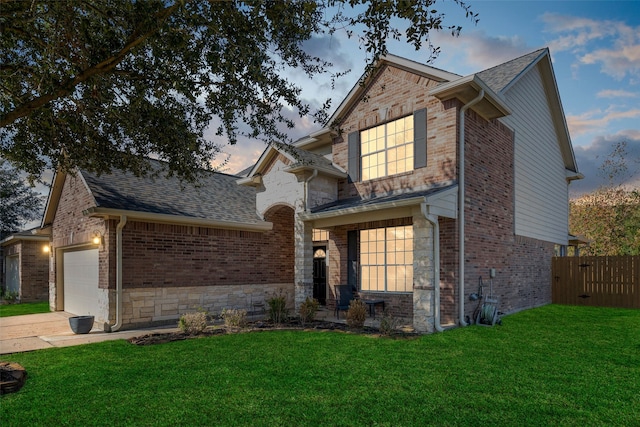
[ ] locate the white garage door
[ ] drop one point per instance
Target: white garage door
(13, 273)
(81, 282)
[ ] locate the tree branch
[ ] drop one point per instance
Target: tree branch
(103, 67)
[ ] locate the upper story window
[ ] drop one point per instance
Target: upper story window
(387, 149)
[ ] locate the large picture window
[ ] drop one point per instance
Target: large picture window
(387, 149)
(386, 259)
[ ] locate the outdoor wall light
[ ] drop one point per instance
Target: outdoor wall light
(98, 238)
(46, 248)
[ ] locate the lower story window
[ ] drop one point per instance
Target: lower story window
(386, 259)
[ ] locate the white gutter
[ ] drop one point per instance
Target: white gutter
(116, 327)
(258, 226)
(461, 205)
(433, 219)
(306, 189)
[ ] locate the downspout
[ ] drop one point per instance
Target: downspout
(433, 219)
(461, 183)
(116, 327)
(306, 189)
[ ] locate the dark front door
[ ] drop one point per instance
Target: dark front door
(320, 274)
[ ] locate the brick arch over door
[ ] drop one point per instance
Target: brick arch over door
(281, 242)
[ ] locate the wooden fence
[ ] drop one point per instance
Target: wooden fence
(604, 281)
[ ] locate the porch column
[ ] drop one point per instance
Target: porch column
(303, 236)
(423, 275)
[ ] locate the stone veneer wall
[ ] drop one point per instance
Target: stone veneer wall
(152, 306)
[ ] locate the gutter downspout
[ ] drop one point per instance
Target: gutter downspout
(306, 189)
(116, 327)
(433, 219)
(461, 195)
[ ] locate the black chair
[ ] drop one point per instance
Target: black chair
(344, 295)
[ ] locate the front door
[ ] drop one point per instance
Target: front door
(320, 274)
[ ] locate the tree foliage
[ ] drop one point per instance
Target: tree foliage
(99, 84)
(609, 216)
(19, 203)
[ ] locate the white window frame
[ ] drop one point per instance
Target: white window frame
(385, 260)
(371, 149)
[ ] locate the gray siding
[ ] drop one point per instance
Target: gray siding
(541, 190)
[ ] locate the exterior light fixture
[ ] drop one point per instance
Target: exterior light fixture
(46, 248)
(98, 238)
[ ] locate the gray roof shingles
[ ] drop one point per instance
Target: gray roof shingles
(356, 202)
(217, 197)
(498, 77)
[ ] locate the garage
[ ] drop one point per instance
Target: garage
(13, 274)
(81, 281)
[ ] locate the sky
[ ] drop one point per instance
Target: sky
(595, 50)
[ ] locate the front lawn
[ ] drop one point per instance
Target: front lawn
(19, 309)
(555, 365)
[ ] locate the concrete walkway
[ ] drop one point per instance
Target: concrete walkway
(38, 331)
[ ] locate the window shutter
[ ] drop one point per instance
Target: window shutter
(420, 138)
(352, 259)
(354, 156)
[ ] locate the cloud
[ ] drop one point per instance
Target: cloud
(597, 120)
(590, 158)
(579, 35)
(477, 51)
(613, 93)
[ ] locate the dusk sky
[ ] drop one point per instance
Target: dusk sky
(595, 48)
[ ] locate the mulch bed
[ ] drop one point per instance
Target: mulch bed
(159, 338)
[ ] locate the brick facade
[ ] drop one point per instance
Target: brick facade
(169, 269)
(33, 269)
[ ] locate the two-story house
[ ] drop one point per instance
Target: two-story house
(422, 182)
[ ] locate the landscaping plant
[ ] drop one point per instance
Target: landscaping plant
(234, 318)
(278, 311)
(356, 314)
(308, 310)
(388, 324)
(193, 323)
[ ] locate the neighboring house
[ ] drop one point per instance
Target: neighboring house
(25, 266)
(372, 201)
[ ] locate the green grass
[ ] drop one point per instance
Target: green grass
(555, 365)
(24, 308)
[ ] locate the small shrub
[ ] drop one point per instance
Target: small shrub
(278, 311)
(234, 318)
(193, 323)
(356, 314)
(308, 310)
(388, 324)
(9, 295)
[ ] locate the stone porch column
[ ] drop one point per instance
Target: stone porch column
(303, 235)
(423, 274)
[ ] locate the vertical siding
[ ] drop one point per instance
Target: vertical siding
(541, 191)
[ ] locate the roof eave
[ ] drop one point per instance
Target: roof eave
(259, 226)
(492, 106)
(333, 172)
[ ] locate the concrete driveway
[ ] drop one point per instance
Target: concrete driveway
(38, 331)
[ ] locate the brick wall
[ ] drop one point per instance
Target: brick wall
(401, 93)
(166, 255)
(523, 277)
(34, 269)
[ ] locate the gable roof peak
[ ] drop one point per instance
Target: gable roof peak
(500, 77)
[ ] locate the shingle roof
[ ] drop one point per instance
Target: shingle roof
(217, 196)
(498, 77)
(356, 202)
